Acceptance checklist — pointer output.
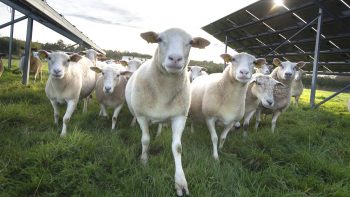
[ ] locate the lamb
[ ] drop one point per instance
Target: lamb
(35, 66)
(70, 78)
(260, 90)
(160, 90)
(110, 89)
(196, 71)
(220, 97)
(284, 73)
(264, 69)
(297, 86)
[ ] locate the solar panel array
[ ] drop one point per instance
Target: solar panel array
(261, 27)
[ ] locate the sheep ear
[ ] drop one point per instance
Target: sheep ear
(123, 62)
(204, 69)
(259, 62)
(43, 54)
(276, 62)
(199, 42)
(150, 37)
(75, 57)
(279, 84)
(189, 68)
(227, 57)
(126, 74)
(301, 64)
(96, 69)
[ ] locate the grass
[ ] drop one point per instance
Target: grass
(308, 156)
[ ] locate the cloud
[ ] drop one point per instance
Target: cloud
(101, 20)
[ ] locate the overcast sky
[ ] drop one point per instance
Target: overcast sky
(117, 24)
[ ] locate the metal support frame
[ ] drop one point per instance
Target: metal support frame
(11, 38)
(26, 69)
(295, 34)
(13, 21)
(331, 96)
(316, 59)
(225, 50)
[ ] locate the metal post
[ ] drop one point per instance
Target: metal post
(225, 51)
(25, 77)
(11, 38)
(316, 60)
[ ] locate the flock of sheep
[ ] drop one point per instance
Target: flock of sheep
(164, 89)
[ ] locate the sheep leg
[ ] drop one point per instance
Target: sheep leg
(159, 131)
(224, 134)
(145, 139)
(274, 119)
(214, 137)
(192, 127)
(86, 101)
(103, 111)
(246, 123)
(133, 122)
(115, 115)
(56, 111)
(257, 119)
(71, 105)
(178, 125)
(296, 100)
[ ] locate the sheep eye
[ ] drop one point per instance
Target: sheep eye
(258, 83)
(118, 75)
(103, 73)
(49, 58)
(68, 60)
(159, 39)
(191, 42)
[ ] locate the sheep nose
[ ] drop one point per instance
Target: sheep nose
(175, 58)
(288, 74)
(56, 71)
(244, 72)
(269, 102)
(107, 88)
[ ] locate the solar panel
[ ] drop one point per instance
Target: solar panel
(262, 26)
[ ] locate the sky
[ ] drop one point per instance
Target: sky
(117, 24)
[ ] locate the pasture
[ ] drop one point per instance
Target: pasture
(309, 155)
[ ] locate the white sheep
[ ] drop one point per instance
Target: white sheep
(264, 69)
(260, 91)
(110, 89)
(196, 71)
(70, 79)
(35, 66)
(297, 86)
(220, 97)
(284, 73)
(160, 90)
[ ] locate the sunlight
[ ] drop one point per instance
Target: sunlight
(278, 2)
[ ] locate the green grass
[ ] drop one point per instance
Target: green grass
(308, 156)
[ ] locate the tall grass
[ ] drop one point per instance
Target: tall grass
(309, 155)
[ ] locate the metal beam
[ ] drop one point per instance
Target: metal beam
(333, 95)
(11, 39)
(328, 73)
(225, 51)
(295, 34)
(26, 69)
(265, 19)
(316, 60)
(287, 29)
(13, 21)
(44, 14)
(342, 51)
(328, 38)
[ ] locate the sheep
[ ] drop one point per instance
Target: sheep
(260, 90)
(1, 64)
(132, 65)
(35, 66)
(220, 97)
(196, 71)
(297, 86)
(70, 78)
(264, 69)
(110, 89)
(160, 90)
(284, 73)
